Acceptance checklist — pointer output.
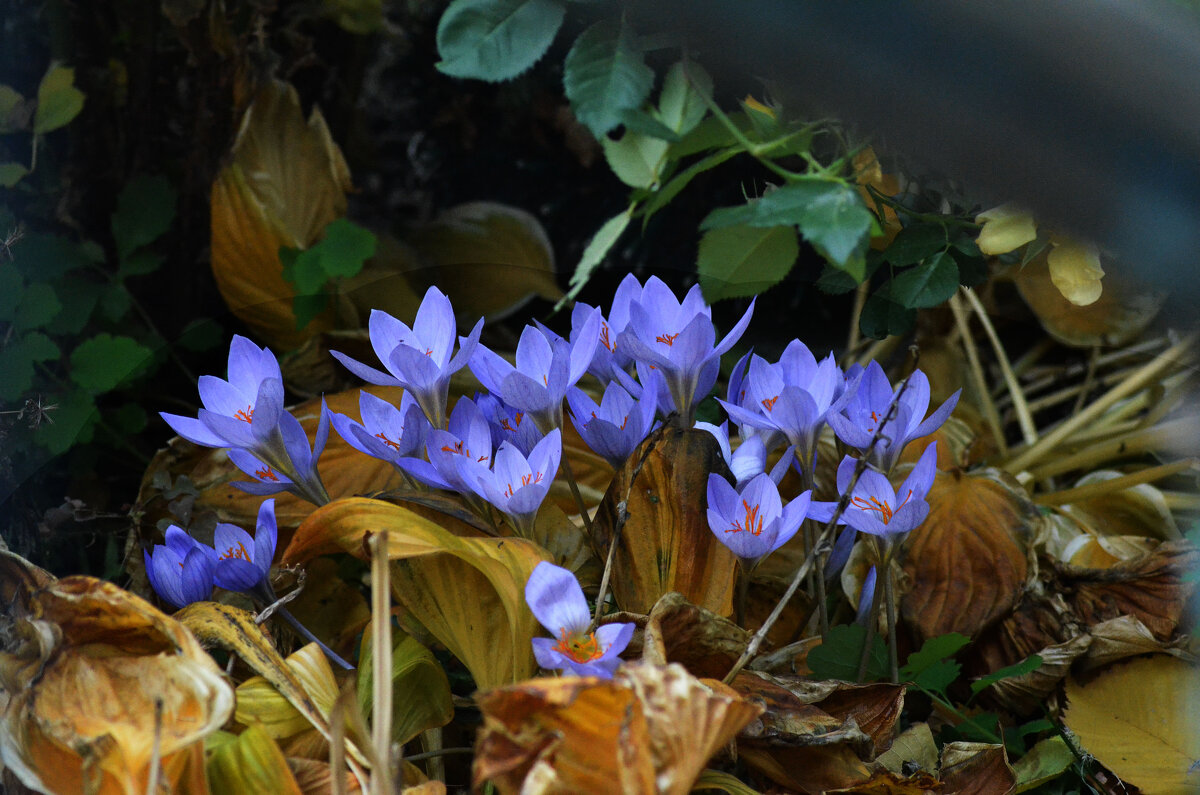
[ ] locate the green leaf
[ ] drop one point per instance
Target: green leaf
(339, 254)
(933, 651)
(12, 287)
(39, 347)
(972, 270)
(927, 285)
(130, 418)
(104, 362)
(605, 75)
(837, 657)
(45, 258)
(830, 215)
(39, 305)
(58, 100)
(10, 100)
(345, 247)
(74, 422)
(916, 242)
(883, 316)
(983, 727)
(77, 305)
(680, 104)
(115, 302)
(307, 307)
(604, 239)
(1026, 666)
(640, 121)
(937, 677)
(422, 691)
(17, 360)
(11, 174)
(664, 195)
(738, 261)
(709, 134)
(145, 209)
(1046, 761)
(496, 40)
(636, 159)
(139, 263)
(202, 334)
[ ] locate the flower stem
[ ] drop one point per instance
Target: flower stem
(303, 631)
(583, 510)
(743, 590)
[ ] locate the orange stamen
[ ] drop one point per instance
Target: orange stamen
(754, 522)
(579, 647)
(535, 477)
(874, 504)
(612, 346)
(236, 554)
(266, 473)
(457, 448)
(517, 420)
(394, 445)
(244, 415)
(666, 339)
(769, 403)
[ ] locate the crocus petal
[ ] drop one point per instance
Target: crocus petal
(220, 396)
(614, 638)
(920, 479)
(866, 596)
(266, 533)
(388, 333)
(434, 325)
(196, 580)
(556, 600)
(368, 374)
(236, 433)
(583, 347)
(736, 332)
(193, 430)
(268, 406)
(466, 349)
(937, 418)
(490, 368)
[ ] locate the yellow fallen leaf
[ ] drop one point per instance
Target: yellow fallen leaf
(1075, 270)
(251, 763)
(1139, 720)
(1005, 228)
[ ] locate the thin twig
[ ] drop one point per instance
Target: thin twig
(439, 753)
(583, 510)
(156, 750)
(1102, 487)
(1089, 379)
(810, 558)
(990, 413)
(1024, 419)
(860, 300)
(381, 663)
(1135, 442)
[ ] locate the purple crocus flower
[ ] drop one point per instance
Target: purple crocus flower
(753, 521)
(557, 602)
(296, 470)
(546, 365)
(791, 398)
(243, 562)
(508, 424)
(858, 419)
(615, 427)
(181, 572)
(386, 432)
(516, 485)
(750, 457)
(609, 357)
(418, 358)
(457, 457)
(880, 510)
(678, 338)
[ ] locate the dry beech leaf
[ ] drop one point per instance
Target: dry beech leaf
(1024, 694)
(725, 782)
(286, 182)
(81, 673)
(650, 729)
(966, 562)
(915, 744)
(251, 762)
(666, 544)
(1120, 638)
(468, 592)
(1087, 552)
(976, 769)
(1137, 511)
(885, 782)
(1120, 314)
(1139, 720)
(704, 643)
(490, 258)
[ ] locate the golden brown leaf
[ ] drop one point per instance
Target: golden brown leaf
(885, 782)
(314, 777)
(706, 644)
(1120, 638)
(1139, 720)
(666, 544)
(90, 676)
(287, 181)
(965, 561)
(915, 744)
(976, 769)
(1025, 694)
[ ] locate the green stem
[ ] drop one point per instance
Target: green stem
(990, 736)
(934, 218)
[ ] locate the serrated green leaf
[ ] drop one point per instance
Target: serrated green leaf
(72, 422)
(145, 209)
(605, 75)
(677, 183)
(1026, 666)
(496, 40)
(17, 360)
(883, 316)
(932, 652)
(345, 247)
(972, 270)
(837, 657)
(1046, 761)
(982, 728)
(104, 362)
(139, 263)
(77, 305)
(916, 242)
(636, 159)
(45, 258)
(834, 281)
(39, 305)
(709, 134)
(640, 121)
(597, 248)
(306, 307)
(738, 261)
(39, 347)
(937, 677)
(681, 104)
(927, 285)
(11, 174)
(58, 100)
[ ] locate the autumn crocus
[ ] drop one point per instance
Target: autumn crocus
(296, 470)
(557, 602)
(507, 423)
(517, 485)
(609, 357)
(459, 456)
(386, 432)
(858, 419)
(753, 521)
(879, 509)
(679, 340)
(616, 425)
(546, 365)
(749, 458)
(181, 571)
(418, 358)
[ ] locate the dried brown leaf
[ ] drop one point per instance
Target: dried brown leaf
(706, 644)
(976, 769)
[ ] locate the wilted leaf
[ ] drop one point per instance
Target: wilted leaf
(1075, 269)
(965, 562)
(468, 592)
(95, 682)
(251, 763)
(666, 544)
(1137, 511)
(885, 782)
(1024, 693)
(489, 258)
(1120, 314)
(976, 769)
(1118, 639)
(260, 704)
(420, 690)
(717, 780)
(287, 181)
(915, 744)
(706, 644)
(1045, 761)
(1139, 720)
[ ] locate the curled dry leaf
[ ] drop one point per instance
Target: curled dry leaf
(666, 544)
(89, 676)
(650, 729)
(976, 769)
(1139, 720)
(966, 561)
(1121, 313)
(286, 182)
(1121, 638)
(1024, 694)
(314, 777)
(916, 745)
(1136, 511)
(704, 643)
(885, 782)
(468, 592)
